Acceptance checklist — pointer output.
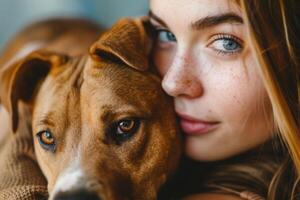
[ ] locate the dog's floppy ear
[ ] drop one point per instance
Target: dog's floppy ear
(127, 41)
(20, 80)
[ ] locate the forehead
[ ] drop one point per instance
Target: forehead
(99, 86)
(191, 10)
(116, 83)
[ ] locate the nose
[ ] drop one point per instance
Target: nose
(77, 195)
(181, 80)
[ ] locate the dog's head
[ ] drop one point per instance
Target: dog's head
(102, 126)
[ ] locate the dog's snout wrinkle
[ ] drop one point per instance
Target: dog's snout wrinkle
(78, 195)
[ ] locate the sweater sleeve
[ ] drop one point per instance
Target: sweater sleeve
(20, 176)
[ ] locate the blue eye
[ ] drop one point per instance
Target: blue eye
(165, 36)
(230, 45)
(227, 44)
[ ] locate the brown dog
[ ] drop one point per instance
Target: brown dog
(101, 124)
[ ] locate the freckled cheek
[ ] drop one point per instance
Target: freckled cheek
(238, 97)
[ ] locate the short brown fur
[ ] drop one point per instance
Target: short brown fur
(77, 96)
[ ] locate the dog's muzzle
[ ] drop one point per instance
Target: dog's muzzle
(77, 195)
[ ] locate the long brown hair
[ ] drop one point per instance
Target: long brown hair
(274, 35)
(274, 32)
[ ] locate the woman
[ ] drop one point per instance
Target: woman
(232, 67)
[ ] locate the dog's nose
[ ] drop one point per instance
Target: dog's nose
(77, 195)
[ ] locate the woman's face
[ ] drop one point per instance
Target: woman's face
(201, 51)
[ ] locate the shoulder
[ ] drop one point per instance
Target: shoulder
(212, 196)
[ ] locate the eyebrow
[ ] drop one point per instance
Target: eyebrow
(206, 22)
(156, 18)
(215, 20)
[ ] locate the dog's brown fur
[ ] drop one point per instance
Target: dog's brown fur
(78, 96)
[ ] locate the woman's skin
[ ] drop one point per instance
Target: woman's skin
(202, 53)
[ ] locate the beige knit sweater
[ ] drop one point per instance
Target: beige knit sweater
(20, 176)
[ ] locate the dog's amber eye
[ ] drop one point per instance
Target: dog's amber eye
(126, 126)
(124, 129)
(46, 140)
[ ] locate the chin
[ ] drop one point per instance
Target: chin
(201, 151)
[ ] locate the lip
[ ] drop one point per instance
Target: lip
(193, 126)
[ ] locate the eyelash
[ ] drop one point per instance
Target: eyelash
(157, 29)
(221, 36)
(224, 36)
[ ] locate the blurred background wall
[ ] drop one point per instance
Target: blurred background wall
(15, 14)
